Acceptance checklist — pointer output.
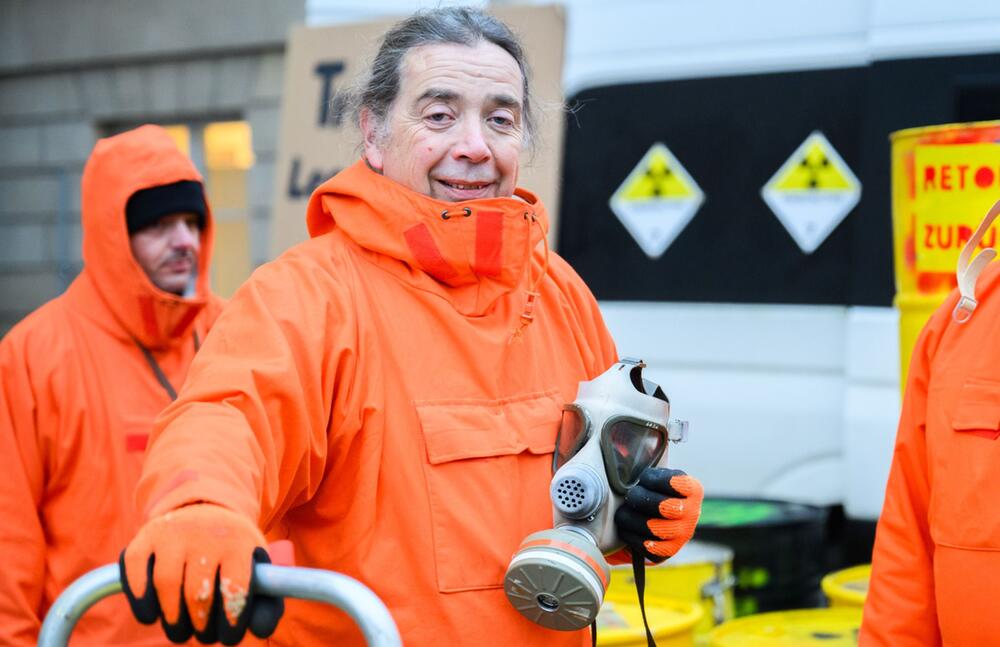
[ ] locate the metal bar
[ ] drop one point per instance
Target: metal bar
(346, 593)
(79, 596)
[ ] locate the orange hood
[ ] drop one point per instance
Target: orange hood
(471, 253)
(118, 167)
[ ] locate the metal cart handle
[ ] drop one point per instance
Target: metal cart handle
(342, 591)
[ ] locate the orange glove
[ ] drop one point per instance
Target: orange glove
(659, 513)
(194, 569)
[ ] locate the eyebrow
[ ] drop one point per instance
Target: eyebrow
(505, 101)
(437, 93)
(501, 100)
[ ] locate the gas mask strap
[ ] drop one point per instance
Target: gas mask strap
(593, 633)
(641, 384)
(654, 390)
(969, 268)
(639, 575)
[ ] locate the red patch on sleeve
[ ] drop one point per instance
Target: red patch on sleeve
(136, 442)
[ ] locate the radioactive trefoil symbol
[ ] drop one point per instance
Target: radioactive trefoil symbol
(812, 192)
(656, 200)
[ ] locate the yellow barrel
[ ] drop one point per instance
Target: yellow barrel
(944, 180)
(805, 628)
(848, 587)
(672, 622)
(700, 572)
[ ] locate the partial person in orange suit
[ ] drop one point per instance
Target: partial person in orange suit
(387, 394)
(936, 563)
(83, 377)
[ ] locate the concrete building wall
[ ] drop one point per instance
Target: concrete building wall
(70, 70)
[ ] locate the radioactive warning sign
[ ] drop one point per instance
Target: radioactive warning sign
(812, 192)
(657, 200)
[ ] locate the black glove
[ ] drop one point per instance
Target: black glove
(659, 513)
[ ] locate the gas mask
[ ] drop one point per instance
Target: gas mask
(618, 426)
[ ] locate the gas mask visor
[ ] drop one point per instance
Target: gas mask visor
(628, 444)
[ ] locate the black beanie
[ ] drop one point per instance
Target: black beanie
(146, 206)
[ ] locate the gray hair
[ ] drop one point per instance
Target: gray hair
(444, 25)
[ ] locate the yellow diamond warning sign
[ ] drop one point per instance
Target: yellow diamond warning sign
(812, 192)
(657, 200)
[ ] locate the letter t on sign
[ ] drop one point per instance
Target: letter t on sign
(330, 112)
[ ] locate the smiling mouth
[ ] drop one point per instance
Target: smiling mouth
(465, 186)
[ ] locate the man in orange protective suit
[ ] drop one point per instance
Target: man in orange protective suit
(936, 563)
(83, 377)
(387, 394)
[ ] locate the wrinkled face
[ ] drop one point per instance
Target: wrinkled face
(168, 251)
(455, 130)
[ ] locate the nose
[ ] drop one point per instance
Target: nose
(472, 145)
(183, 235)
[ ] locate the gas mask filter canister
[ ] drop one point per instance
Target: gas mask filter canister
(618, 426)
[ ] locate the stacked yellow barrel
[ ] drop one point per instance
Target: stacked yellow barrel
(685, 598)
(836, 626)
(672, 621)
(849, 587)
(944, 180)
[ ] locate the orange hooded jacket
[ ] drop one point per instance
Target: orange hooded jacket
(363, 397)
(936, 564)
(78, 399)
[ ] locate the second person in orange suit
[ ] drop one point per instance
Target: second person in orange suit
(83, 377)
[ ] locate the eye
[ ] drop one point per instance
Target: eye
(439, 118)
(504, 120)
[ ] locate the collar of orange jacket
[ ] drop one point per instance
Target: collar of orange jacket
(118, 167)
(470, 252)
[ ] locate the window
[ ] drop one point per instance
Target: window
(223, 152)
